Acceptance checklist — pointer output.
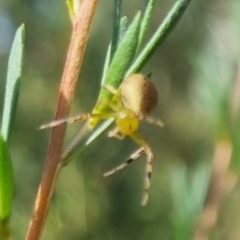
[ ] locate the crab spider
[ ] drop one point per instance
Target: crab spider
(134, 101)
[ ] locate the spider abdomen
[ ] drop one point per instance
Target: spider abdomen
(139, 94)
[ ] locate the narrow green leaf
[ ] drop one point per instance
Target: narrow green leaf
(73, 7)
(116, 26)
(125, 54)
(121, 34)
(14, 73)
(120, 63)
(160, 35)
(145, 19)
(98, 131)
(106, 64)
(189, 191)
(6, 181)
(70, 7)
(122, 31)
(123, 28)
(83, 138)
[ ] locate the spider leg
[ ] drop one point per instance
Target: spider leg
(152, 120)
(115, 133)
(111, 89)
(149, 165)
(117, 99)
(134, 156)
(80, 117)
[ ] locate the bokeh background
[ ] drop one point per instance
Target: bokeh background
(195, 72)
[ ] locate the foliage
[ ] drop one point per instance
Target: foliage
(195, 71)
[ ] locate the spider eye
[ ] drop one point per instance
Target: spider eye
(139, 94)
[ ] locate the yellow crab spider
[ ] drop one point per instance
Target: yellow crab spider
(135, 100)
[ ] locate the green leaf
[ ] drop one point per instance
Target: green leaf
(120, 63)
(189, 190)
(145, 20)
(98, 131)
(6, 181)
(122, 31)
(70, 7)
(123, 28)
(116, 25)
(73, 7)
(160, 35)
(106, 64)
(13, 82)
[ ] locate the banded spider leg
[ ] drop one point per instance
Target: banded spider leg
(145, 148)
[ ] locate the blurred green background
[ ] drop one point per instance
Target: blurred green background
(194, 70)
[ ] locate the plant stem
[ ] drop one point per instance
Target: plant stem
(208, 218)
(80, 34)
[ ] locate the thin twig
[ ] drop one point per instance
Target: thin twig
(80, 33)
(222, 156)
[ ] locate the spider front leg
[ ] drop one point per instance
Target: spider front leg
(80, 117)
(111, 89)
(115, 133)
(152, 120)
(145, 148)
(149, 165)
(131, 159)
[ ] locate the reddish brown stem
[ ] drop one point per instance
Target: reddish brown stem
(222, 156)
(80, 33)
